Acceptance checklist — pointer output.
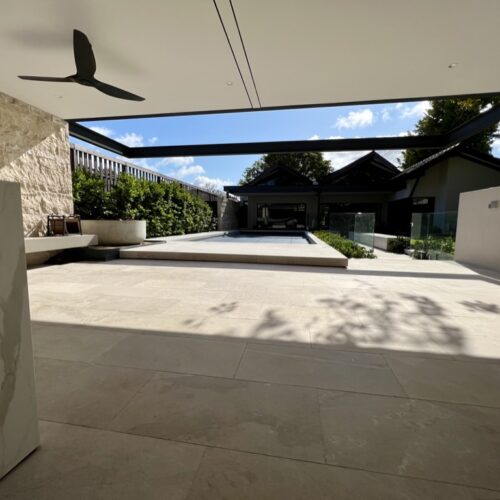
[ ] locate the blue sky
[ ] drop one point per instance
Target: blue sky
(314, 123)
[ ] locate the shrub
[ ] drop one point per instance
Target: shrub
(89, 195)
(167, 208)
(346, 247)
(430, 247)
(399, 245)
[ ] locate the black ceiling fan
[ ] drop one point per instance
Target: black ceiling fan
(85, 70)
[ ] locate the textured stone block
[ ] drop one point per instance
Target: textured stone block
(34, 151)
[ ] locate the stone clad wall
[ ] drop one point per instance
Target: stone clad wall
(227, 214)
(34, 151)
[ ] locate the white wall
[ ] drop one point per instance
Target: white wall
(18, 418)
(478, 229)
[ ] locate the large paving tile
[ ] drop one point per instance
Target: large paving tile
(59, 341)
(162, 321)
(262, 418)
(322, 368)
(448, 380)
(65, 286)
(176, 354)
(445, 442)
(65, 312)
(90, 464)
(85, 394)
(270, 327)
(400, 333)
(483, 347)
(230, 475)
(479, 324)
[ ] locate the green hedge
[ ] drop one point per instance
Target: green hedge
(399, 245)
(167, 208)
(345, 246)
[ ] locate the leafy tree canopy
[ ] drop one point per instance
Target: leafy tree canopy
(312, 165)
(443, 116)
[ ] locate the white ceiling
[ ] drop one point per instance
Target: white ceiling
(300, 52)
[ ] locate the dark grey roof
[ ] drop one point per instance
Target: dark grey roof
(372, 157)
(269, 171)
(455, 150)
(328, 184)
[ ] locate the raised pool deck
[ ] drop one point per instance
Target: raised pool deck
(193, 248)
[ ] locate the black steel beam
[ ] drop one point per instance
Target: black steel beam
(462, 133)
(246, 148)
(474, 126)
(88, 135)
(277, 190)
(365, 102)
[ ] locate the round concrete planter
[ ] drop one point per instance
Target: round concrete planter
(116, 232)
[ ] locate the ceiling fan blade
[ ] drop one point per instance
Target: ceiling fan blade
(116, 92)
(45, 78)
(84, 55)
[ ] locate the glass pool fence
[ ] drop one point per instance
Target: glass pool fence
(358, 227)
(433, 235)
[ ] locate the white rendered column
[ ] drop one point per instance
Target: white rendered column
(18, 418)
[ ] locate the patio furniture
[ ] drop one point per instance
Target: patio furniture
(62, 225)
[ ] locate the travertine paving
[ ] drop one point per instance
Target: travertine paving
(182, 380)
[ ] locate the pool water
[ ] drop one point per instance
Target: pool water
(286, 239)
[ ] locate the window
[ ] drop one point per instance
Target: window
(281, 215)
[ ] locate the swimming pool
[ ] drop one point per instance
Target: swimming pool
(281, 238)
(299, 248)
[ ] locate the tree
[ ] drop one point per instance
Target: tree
(443, 116)
(312, 165)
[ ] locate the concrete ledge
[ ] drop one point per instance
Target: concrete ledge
(380, 240)
(54, 243)
(237, 257)
(193, 248)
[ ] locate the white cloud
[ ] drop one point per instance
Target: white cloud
(417, 110)
(176, 161)
(212, 183)
(131, 139)
(186, 171)
(142, 162)
(340, 159)
(355, 119)
(102, 130)
(393, 155)
(153, 140)
(179, 166)
(314, 137)
(386, 114)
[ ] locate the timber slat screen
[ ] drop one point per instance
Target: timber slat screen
(109, 169)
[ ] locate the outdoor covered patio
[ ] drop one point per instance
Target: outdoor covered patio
(224, 380)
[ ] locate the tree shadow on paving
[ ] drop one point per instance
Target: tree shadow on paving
(481, 306)
(384, 323)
